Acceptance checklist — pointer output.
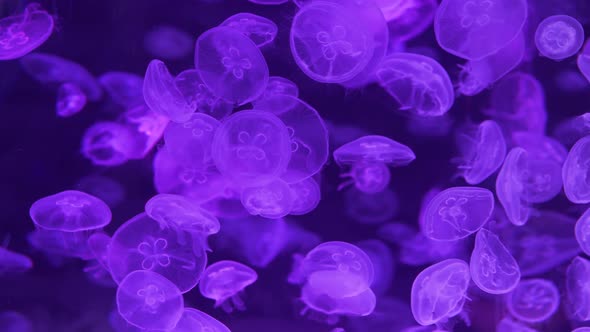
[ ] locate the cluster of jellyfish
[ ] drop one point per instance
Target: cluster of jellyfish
(236, 151)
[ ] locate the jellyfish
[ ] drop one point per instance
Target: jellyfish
(508, 324)
(98, 244)
(278, 85)
(578, 289)
(108, 143)
(149, 301)
(572, 129)
(190, 142)
(439, 291)
(231, 65)
(582, 329)
(533, 300)
(197, 94)
(13, 263)
(306, 196)
(70, 211)
(195, 320)
(559, 37)
(224, 281)
(272, 200)
(70, 100)
(493, 269)
(474, 29)
(105, 188)
(21, 34)
(409, 18)
(582, 232)
(371, 209)
(540, 147)
(571, 81)
(383, 263)
(147, 127)
(168, 42)
(362, 304)
(481, 153)
(510, 189)
(58, 244)
(144, 244)
(576, 184)
(418, 83)
(125, 89)
(584, 61)
(13, 321)
(260, 30)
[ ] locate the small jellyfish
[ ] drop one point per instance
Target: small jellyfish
(272, 200)
(508, 324)
(70, 211)
(481, 153)
(510, 189)
(105, 188)
(224, 281)
(147, 127)
(125, 89)
(190, 142)
(474, 29)
(108, 143)
(584, 60)
(168, 43)
(252, 147)
(13, 263)
(408, 19)
(439, 291)
(306, 196)
(582, 232)
(149, 301)
(577, 284)
(231, 65)
(12, 321)
(374, 149)
(383, 263)
(533, 300)
(493, 269)
(362, 304)
(576, 182)
(20, 34)
(418, 83)
(559, 37)
(457, 212)
(196, 93)
(193, 320)
(373, 208)
(70, 100)
(571, 81)
(260, 30)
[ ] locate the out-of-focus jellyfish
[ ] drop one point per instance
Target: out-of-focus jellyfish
(307, 133)
(108, 143)
(119, 324)
(419, 250)
(70, 211)
(193, 320)
(196, 93)
(439, 291)
(98, 244)
(582, 329)
(533, 300)
(407, 19)
(163, 96)
(143, 243)
(474, 29)
(260, 30)
(105, 188)
(12, 321)
(148, 300)
(61, 244)
(190, 142)
(390, 314)
(371, 208)
(125, 89)
(418, 83)
(271, 200)
(582, 232)
(224, 281)
(509, 187)
(584, 60)
(12, 262)
(383, 264)
(577, 282)
(570, 130)
(571, 81)
(252, 147)
(361, 304)
(231, 65)
(493, 269)
(559, 37)
(52, 69)
(70, 100)
(540, 146)
(20, 34)
(306, 196)
(457, 212)
(576, 183)
(278, 85)
(147, 128)
(269, 2)
(508, 324)
(168, 43)
(481, 152)
(98, 274)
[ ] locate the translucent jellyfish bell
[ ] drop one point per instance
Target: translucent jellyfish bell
(408, 19)
(231, 65)
(149, 301)
(197, 94)
(20, 34)
(190, 142)
(168, 43)
(374, 149)
(457, 212)
(510, 189)
(12, 262)
(70, 100)
(582, 232)
(306, 196)
(362, 304)
(193, 320)
(474, 29)
(12, 321)
(108, 143)
(125, 89)
(533, 300)
(584, 61)
(70, 211)
(576, 182)
(260, 30)
(577, 284)
(271, 200)
(223, 282)
(418, 83)
(559, 37)
(439, 291)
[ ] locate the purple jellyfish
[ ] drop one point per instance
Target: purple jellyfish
(260, 30)
(533, 300)
(224, 281)
(20, 34)
(559, 37)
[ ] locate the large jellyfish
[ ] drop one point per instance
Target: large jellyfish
(20, 34)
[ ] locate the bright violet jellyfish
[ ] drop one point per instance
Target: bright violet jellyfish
(576, 182)
(70, 100)
(559, 37)
(533, 300)
(577, 282)
(278, 85)
(509, 187)
(260, 30)
(306, 196)
(362, 304)
(108, 143)
(408, 18)
(12, 262)
(20, 34)
(224, 281)
(272, 200)
(193, 320)
(190, 142)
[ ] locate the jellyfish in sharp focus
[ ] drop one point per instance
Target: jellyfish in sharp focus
(70, 100)
(576, 183)
(361, 304)
(193, 320)
(224, 281)
(577, 284)
(533, 300)
(168, 43)
(306, 196)
(147, 127)
(190, 142)
(509, 188)
(21, 34)
(559, 37)
(13, 263)
(260, 30)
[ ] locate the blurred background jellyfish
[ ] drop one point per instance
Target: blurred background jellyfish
(168, 42)
(577, 293)
(13, 263)
(572, 129)
(508, 324)
(306, 196)
(224, 281)
(196, 320)
(123, 88)
(383, 264)
(21, 34)
(584, 61)
(272, 200)
(70, 100)
(533, 300)
(582, 231)
(13, 321)
(575, 172)
(370, 209)
(559, 37)
(260, 30)
(107, 189)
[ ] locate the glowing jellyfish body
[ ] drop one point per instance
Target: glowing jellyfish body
(193, 320)
(12, 321)
(20, 34)
(559, 37)
(533, 300)
(108, 143)
(362, 304)
(70, 100)
(540, 147)
(252, 147)
(190, 142)
(163, 96)
(577, 284)
(576, 182)
(418, 83)
(409, 18)
(374, 149)
(375, 208)
(582, 231)
(584, 61)
(197, 94)
(474, 29)
(457, 212)
(510, 189)
(168, 43)
(493, 269)
(125, 89)
(439, 291)
(148, 300)
(223, 282)
(231, 65)
(143, 243)
(260, 30)
(13, 262)
(582, 329)
(306, 196)
(278, 85)
(147, 128)
(272, 200)
(98, 244)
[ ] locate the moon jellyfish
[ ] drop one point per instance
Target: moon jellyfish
(149, 301)
(12, 321)
(482, 152)
(582, 232)
(260, 30)
(125, 89)
(493, 269)
(540, 147)
(374, 149)
(508, 324)
(383, 263)
(190, 142)
(272, 200)
(306, 196)
(144, 244)
(168, 43)
(408, 19)
(457, 212)
(108, 143)
(224, 281)
(559, 37)
(572, 129)
(373, 208)
(193, 320)
(510, 189)
(278, 85)
(163, 96)
(474, 29)
(362, 304)
(577, 284)
(252, 147)
(70, 211)
(197, 94)
(13, 262)
(584, 61)
(533, 300)
(20, 34)
(147, 128)
(439, 291)
(70, 100)
(231, 65)
(418, 83)
(576, 183)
